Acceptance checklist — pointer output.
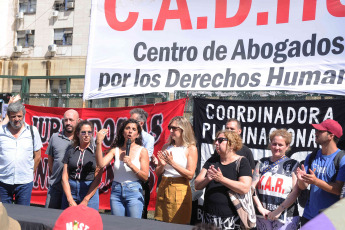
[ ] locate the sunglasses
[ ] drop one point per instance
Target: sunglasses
(83, 133)
(221, 139)
(174, 128)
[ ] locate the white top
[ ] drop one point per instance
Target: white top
(16, 155)
(179, 156)
(123, 173)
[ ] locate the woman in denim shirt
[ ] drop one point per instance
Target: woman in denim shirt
(126, 192)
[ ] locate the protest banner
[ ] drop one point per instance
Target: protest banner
(222, 45)
(48, 120)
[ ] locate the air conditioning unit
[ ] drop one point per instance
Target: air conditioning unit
(70, 5)
(52, 48)
(28, 32)
(55, 13)
(18, 49)
(20, 15)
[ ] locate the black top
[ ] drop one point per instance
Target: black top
(246, 152)
(217, 201)
(86, 162)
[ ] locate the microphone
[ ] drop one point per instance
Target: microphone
(128, 146)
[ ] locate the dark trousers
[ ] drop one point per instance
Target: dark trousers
(21, 192)
(303, 220)
(146, 191)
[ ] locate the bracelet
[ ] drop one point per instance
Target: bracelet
(137, 172)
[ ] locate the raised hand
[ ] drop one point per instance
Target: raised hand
(101, 135)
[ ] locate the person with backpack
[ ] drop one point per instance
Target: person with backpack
(20, 154)
(323, 170)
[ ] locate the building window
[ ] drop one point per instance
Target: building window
(58, 86)
(64, 5)
(63, 37)
(26, 38)
(27, 6)
(16, 86)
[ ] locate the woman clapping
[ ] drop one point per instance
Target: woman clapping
(177, 163)
(219, 174)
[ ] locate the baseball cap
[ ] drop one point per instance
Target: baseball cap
(6, 222)
(331, 126)
(79, 217)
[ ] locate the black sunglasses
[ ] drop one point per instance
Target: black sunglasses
(83, 133)
(174, 128)
(221, 139)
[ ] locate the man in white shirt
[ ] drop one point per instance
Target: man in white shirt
(20, 154)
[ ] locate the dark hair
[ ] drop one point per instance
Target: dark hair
(234, 120)
(76, 141)
(120, 139)
(142, 114)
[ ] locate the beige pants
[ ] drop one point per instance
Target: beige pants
(174, 200)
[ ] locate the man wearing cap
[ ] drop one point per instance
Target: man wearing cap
(58, 144)
(326, 174)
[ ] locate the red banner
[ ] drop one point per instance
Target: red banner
(48, 120)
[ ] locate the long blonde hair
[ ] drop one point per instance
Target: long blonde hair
(188, 137)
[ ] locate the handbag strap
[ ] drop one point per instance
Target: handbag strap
(238, 164)
(274, 164)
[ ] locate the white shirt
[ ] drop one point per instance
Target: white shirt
(16, 155)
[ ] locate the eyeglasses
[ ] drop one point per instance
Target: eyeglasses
(221, 139)
(174, 128)
(83, 133)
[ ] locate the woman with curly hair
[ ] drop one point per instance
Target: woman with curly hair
(176, 163)
(126, 191)
(218, 175)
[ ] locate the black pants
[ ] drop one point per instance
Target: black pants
(146, 190)
(303, 221)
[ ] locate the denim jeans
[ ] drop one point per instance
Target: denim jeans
(21, 192)
(127, 199)
(79, 190)
(54, 197)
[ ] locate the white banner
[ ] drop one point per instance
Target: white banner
(144, 46)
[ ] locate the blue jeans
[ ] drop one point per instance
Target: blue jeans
(21, 192)
(54, 197)
(79, 190)
(127, 199)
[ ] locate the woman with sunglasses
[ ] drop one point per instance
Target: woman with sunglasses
(218, 175)
(176, 164)
(126, 191)
(276, 188)
(80, 175)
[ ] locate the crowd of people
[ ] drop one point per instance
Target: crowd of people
(76, 161)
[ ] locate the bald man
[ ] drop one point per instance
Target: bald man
(58, 144)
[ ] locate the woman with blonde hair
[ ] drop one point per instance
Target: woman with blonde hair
(275, 182)
(176, 163)
(219, 174)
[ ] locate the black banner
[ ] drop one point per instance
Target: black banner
(260, 118)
